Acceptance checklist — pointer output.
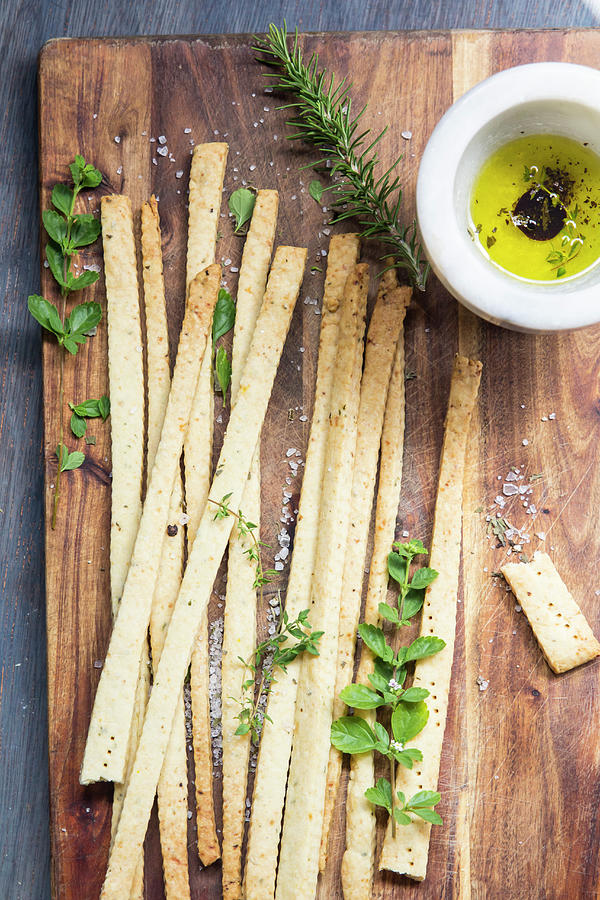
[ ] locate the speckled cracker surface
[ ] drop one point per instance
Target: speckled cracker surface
(560, 628)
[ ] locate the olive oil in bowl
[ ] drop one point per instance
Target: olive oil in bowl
(535, 207)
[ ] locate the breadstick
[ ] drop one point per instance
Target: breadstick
(126, 384)
(105, 753)
(358, 859)
(407, 852)
(384, 329)
(239, 625)
(303, 815)
(206, 186)
(172, 787)
(213, 533)
(276, 737)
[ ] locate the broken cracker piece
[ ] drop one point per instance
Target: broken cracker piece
(560, 628)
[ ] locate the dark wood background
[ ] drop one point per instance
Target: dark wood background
(24, 27)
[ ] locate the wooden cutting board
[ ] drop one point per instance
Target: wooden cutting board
(519, 776)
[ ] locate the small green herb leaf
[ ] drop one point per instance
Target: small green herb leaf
(46, 314)
(359, 696)
(412, 603)
(224, 315)
(401, 817)
(83, 318)
(315, 189)
(62, 198)
(55, 225)
(85, 230)
(68, 461)
(424, 798)
(423, 577)
(408, 719)
(104, 407)
(560, 272)
(397, 565)
(241, 206)
(223, 372)
(422, 647)
(351, 734)
(374, 638)
(389, 613)
(78, 425)
(81, 281)
(56, 261)
(430, 815)
(414, 694)
(381, 794)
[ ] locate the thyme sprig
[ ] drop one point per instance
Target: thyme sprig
(409, 713)
(246, 529)
(276, 652)
(68, 232)
(323, 118)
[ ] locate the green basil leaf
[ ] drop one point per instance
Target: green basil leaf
(242, 729)
(413, 753)
(62, 198)
(89, 408)
(412, 603)
(408, 719)
(223, 372)
(414, 694)
(430, 815)
(91, 177)
(78, 425)
(241, 205)
(423, 577)
(389, 613)
(104, 407)
(424, 798)
(69, 344)
(56, 261)
(83, 318)
(374, 638)
(382, 735)
(381, 794)
(55, 225)
(401, 817)
(223, 316)
(81, 281)
(427, 645)
(315, 189)
(45, 313)
(379, 683)
(85, 230)
(68, 460)
(397, 566)
(359, 696)
(351, 734)
(384, 670)
(410, 548)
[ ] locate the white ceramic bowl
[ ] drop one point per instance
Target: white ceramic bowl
(555, 98)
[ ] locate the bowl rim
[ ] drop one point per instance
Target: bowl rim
(485, 289)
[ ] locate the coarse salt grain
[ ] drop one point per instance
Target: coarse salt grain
(162, 139)
(179, 174)
(162, 150)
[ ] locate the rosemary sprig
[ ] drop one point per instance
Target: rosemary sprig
(324, 119)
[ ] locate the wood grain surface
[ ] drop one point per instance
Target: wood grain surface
(519, 771)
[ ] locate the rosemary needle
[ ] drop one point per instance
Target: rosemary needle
(323, 118)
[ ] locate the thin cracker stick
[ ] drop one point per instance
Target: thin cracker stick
(407, 852)
(172, 787)
(239, 621)
(276, 737)
(560, 628)
(105, 753)
(304, 806)
(231, 473)
(359, 856)
(206, 186)
(126, 387)
(384, 330)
